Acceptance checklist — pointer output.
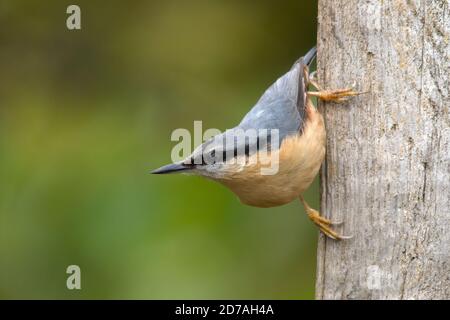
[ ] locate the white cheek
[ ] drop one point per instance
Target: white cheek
(212, 170)
(221, 170)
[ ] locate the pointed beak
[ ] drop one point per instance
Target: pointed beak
(172, 168)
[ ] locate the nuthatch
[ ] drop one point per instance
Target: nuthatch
(300, 148)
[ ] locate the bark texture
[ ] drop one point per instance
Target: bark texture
(387, 168)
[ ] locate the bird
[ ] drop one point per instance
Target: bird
(283, 131)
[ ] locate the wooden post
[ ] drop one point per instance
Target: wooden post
(387, 168)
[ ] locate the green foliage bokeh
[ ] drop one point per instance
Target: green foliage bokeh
(84, 116)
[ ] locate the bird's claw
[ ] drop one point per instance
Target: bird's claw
(325, 224)
(339, 95)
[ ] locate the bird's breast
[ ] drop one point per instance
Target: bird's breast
(289, 171)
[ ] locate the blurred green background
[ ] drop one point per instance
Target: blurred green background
(84, 116)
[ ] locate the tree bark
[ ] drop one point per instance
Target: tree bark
(387, 168)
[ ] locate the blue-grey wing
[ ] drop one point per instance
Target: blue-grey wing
(282, 106)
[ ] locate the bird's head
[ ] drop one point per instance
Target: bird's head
(221, 157)
(212, 159)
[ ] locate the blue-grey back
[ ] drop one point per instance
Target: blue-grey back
(282, 106)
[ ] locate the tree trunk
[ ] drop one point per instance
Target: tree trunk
(387, 168)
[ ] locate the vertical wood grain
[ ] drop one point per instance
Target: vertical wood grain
(387, 168)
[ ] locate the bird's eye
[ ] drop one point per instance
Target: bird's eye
(211, 157)
(208, 158)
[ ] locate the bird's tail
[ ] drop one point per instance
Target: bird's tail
(309, 57)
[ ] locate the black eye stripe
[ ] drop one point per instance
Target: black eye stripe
(233, 153)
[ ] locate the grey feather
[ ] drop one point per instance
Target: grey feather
(281, 107)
